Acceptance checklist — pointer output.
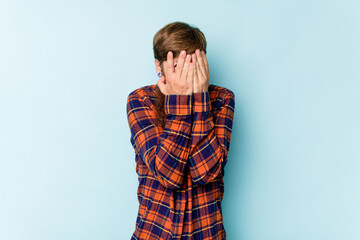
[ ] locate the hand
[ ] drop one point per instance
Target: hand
(201, 72)
(179, 80)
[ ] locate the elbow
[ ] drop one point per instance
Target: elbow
(171, 180)
(207, 177)
(200, 181)
(169, 176)
(173, 186)
(169, 184)
(203, 177)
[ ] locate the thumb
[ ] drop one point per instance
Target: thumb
(161, 84)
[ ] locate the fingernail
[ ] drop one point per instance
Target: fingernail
(183, 52)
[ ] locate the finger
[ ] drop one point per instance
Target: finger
(190, 76)
(180, 63)
(193, 58)
(196, 63)
(170, 62)
(185, 70)
(201, 65)
(196, 69)
(194, 74)
(199, 75)
(205, 61)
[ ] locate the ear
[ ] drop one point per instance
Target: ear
(157, 66)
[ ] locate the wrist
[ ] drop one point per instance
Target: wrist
(201, 89)
(201, 102)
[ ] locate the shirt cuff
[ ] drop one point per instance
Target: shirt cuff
(178, 104)
(202, 102)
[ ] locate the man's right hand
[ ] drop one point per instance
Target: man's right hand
(179, 80)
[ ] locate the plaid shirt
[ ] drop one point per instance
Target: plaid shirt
(180, 167)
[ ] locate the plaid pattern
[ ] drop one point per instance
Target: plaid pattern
(180, 167)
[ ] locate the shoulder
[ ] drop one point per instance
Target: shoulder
(220, 93)
(143, 92)
(221, 97)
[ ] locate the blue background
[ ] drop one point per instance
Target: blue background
(67, 167)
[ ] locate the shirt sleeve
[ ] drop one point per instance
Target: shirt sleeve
(211, 135)
(164, 151)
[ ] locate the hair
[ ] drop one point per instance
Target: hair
(174, 37)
